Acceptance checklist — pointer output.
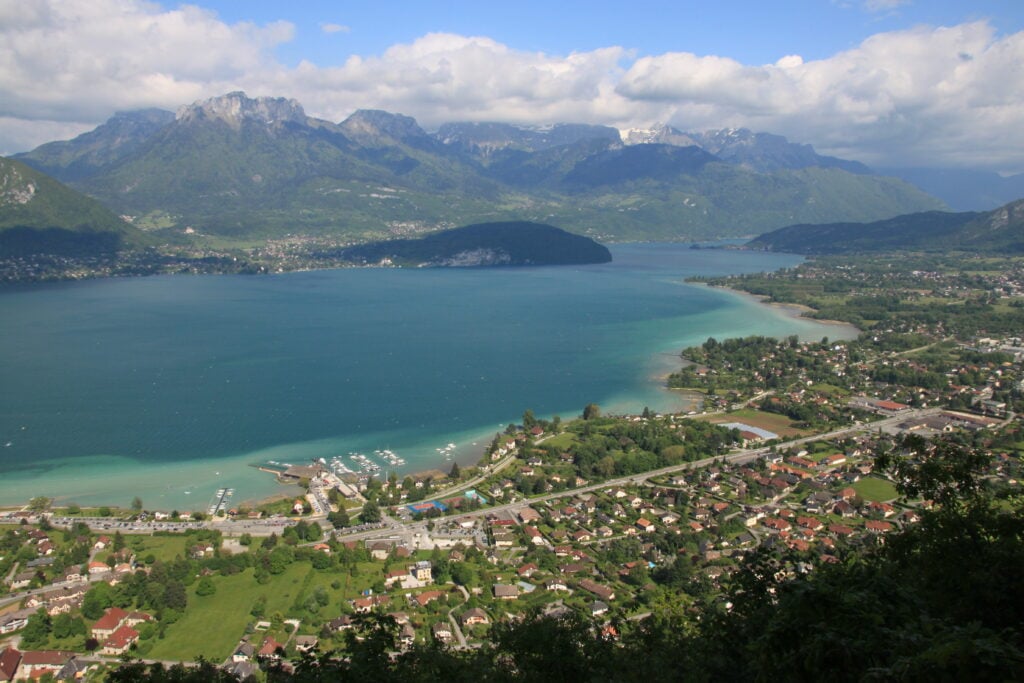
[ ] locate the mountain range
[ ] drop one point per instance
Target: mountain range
(1000, 231)
(239, 168)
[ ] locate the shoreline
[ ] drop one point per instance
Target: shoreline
(791, 310)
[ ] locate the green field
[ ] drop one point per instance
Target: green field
(779, 424)
(163, 548)
(213, 625)
(562, 441)
(875, 489)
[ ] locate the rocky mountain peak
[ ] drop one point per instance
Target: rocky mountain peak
(659, 133)
(234, 108)
(370, 125)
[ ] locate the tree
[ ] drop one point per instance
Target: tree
(339, 519)
(461, 573)
(455, 472)
(174, 596)
(39, 504)
(280, 558)
(205, 587)
(591, 411)
(62, 626)
(96, 601)
(371, 513)
(37, 630)
(136, 504)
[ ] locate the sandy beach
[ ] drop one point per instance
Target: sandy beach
(800, 311)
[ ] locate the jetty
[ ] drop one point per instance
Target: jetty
(220, 501)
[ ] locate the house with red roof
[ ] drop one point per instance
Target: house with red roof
(108, 623)
(776, 524)
(269, 649)
(96, 568)
(9, 661)
(35, 663)
(120, 640)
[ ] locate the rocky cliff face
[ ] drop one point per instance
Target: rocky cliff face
(375, 127)
(15, 189)
(235, 107)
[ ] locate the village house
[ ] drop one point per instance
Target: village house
(269, 650)
(9, 660)
(426, 597)
(442, 632)
(645, 525)
(120, 640)
(306, 643)
(36, 663)
(15, 620)
(475, 616)
(105, 626)
(244, 652)
(533, 533)
(422, 571)
(603, 592)
(505, 591)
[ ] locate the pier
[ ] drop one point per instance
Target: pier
(220, 501)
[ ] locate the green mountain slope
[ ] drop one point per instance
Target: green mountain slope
(998, 231)
(40, 215)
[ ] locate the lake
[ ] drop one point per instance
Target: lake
(171, 387)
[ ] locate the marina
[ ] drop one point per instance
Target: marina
(220, 501)
(354, 466)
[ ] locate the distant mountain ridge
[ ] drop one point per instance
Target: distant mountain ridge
(999, 231)
(963, 189)
(250, 168)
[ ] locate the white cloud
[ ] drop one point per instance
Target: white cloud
(73, 60)
(445, 77)
(923, 96)
(927, 96)
(334, 28)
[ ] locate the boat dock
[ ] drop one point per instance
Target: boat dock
(220, 501)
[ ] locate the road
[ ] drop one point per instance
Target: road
(740, 457)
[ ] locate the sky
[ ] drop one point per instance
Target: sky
(905, 83)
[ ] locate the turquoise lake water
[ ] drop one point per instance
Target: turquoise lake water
(170, 387)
